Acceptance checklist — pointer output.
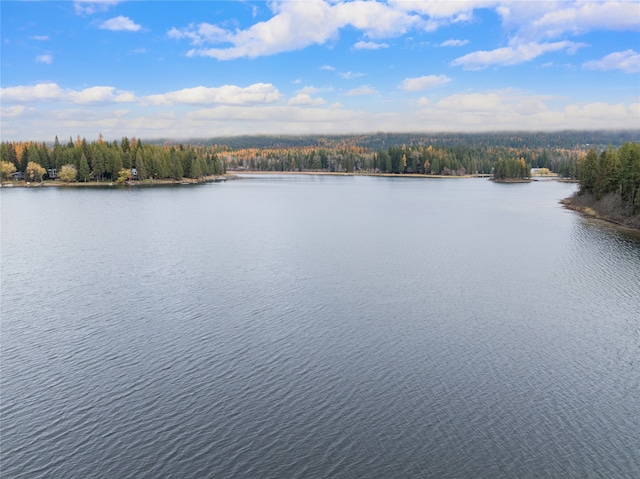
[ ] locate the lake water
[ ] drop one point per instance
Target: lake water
(316, 327)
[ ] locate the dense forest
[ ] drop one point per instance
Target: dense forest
(108, 161)
(456, 160)
(112, 161)
(562, 140)
(610, 183)
(503, 155)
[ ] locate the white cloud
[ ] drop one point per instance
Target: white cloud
(512, 55)
(351, 75)
(53, 92)
(327, 67)
(277, 119)
(124, 97)
(297, 25)
(199, 34)
(306, 99)
(120, 23)
(375, 20)
(454, 43)
(89, 7)
(579, 17)
(479, 111)
(42, 91)
(474, 103)
(627, 61)
(423, 82)
(370, 45)
(508, 109)
(312, 90)
(456, 11)
(226, 94)
(94, 94)
(48, 59)
(13, 111)
(40, 38)
(308, 90)
(362, 90)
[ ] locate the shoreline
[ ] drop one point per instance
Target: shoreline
(338, 173)
(113, 184)
(592, 212)
(513, 180)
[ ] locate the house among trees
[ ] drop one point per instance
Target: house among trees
(17, 176)
(52, 173)
(134, 174)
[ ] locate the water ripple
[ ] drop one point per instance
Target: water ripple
(336, 335)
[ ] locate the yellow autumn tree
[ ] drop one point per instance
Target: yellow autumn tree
(68, 173)
(34, 172)
(7, 169)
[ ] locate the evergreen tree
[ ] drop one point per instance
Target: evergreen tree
(33, 155)
(176, 164)
(629, 155)
(609, 171)
(196, 170)
(4, 152)
(97, 165)
(140, 167)
(115, 162)
(56, 154)
(588, 171)
(83, 168)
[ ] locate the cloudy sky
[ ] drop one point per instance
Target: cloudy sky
(201, 69)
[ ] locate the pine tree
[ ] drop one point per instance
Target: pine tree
(176, 164)
(97, 165)
(142, 171)
(588, 172)
(83, 168)
(196, 171)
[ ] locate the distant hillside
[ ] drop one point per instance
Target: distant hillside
(571, 140)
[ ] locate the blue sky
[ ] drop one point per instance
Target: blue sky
(196, 69)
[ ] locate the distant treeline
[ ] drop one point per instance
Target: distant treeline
(440, 160)
(109, 161)
(567, 140)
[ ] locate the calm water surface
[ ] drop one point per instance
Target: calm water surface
(315, 327)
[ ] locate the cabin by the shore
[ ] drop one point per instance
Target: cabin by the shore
(17, 176)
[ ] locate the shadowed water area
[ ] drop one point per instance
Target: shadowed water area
(315, 326)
